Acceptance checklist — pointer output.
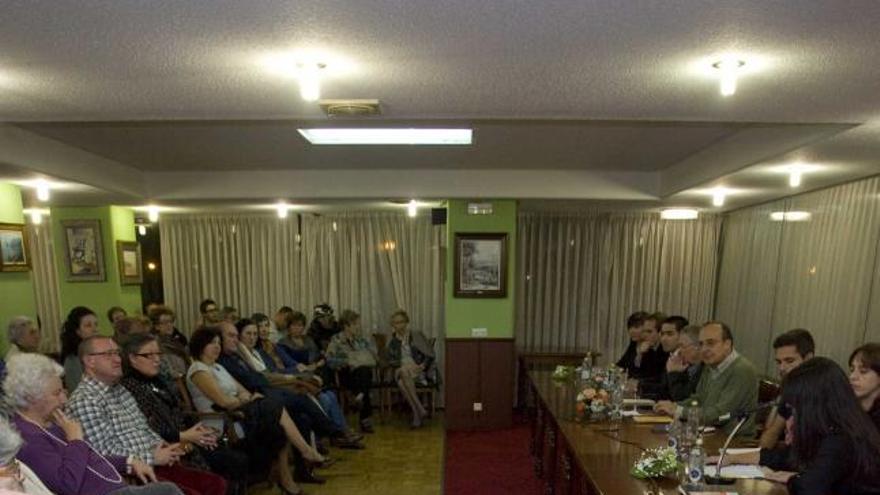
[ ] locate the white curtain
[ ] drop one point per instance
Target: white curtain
(581, 274)
(818, 273)
(373, 263)
(45, 277)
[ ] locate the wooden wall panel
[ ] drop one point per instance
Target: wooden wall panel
(479, 370)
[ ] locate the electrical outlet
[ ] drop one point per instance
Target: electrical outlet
(479, 332)
(478, 406)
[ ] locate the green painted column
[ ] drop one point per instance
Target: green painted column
(465, 314)
(16, 288)
(117, 224)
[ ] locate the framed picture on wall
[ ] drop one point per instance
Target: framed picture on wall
(83, 253)
(129, 255)
(14, 256)
(480, 265)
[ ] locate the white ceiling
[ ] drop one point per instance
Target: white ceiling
(168, 100)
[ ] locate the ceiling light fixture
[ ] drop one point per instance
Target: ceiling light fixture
(719, 194)
(387, 136)
(42, 190)
(679, 214)
(790, 216)
(142, 230)
(412, 208)
(36, 214)
(729, 70)
(282, 210)
(309, 75)
(153, 213)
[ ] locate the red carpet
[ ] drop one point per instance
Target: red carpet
(490, 462)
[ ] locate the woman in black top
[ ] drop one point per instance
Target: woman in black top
(834, 448)
(161, 407)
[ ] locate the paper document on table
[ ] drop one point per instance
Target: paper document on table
(744, 471)
(747, 450)
(628, 414)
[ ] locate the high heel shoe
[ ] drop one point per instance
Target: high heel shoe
(313, 456)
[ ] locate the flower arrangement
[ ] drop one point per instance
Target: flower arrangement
(655, 463)
(596, 396)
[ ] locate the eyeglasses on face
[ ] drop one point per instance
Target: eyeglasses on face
(149, 355)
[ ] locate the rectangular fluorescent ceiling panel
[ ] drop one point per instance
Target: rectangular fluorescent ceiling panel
(388, 136)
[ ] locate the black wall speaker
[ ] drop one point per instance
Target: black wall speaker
(438, 216)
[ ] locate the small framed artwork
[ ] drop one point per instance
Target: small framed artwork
(129, 255)
(14, 256)
(83, 252)
(480, 265)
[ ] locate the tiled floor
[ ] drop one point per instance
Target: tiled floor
(397, 461)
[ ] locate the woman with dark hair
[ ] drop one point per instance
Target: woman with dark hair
(267, 428)
(160, 405)
(834, 448)
(277, 358)
(80, 324)
(864, 376)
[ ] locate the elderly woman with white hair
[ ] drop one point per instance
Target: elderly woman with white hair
(24, 336)
(54, 445)
(15, 476)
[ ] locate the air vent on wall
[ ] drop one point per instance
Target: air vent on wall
(350, 108)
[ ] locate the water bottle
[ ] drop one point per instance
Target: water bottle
(586, 368)
(696, 466)
(674, 435)
(690, 427)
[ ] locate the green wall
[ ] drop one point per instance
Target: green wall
(464, 314)
(117, 224)
(16, 288)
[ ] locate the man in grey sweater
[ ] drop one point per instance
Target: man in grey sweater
(728, 384)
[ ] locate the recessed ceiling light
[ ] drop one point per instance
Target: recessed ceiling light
(309, 76)
(790, 216)
(388, 136)
(412, 208)
(282, 209)
(719, 195)
(679, 214)
(153, 213)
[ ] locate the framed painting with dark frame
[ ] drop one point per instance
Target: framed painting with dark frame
(14, 255)
(83, 252)
(480, 265)
(129, 255)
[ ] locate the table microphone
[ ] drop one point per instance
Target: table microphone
(742, 415)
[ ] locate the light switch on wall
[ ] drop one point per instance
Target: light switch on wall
(479, 332)
(478, 406)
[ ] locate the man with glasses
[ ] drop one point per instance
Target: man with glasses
(114, 425)
(684, 367)
(209, 313)
(727, 386)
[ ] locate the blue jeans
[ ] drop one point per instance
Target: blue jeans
(330, 404)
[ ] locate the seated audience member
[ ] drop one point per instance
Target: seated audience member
(324, 325)
(650, 361)
(834, 448)
(160, 405)
(791, 349)
(115, 314)
(355, 358)
(864, 376)
(209, 314)
(130, 325)
(81, 323)
(728, 383)
(412, 356)
(114, 424)
(54, 446)
(267, 428)
(174, 354)
(177, 334)
(24, 336)
(15, 475)
(656, 387)
(274, 361)
(306, 413)
(684, 366)
(278, 320)
(634, 328)
(301, 347)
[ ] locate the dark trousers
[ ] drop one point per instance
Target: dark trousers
(305, 413)
(359, 381)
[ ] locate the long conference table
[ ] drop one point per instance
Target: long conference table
(576, 458)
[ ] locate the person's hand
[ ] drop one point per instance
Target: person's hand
(302, 368)
(71, 427)
(143, 471)
(255, 396)
(777, 476)
(665, 407)
(167, 454)
(675, 363)
(200, 435)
